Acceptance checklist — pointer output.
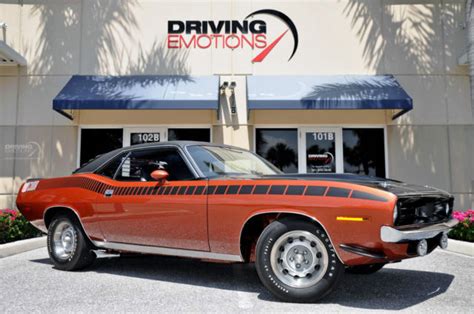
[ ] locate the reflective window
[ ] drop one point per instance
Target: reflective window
(280, 147)
(364, 151)
(96, 142)
(201, 135)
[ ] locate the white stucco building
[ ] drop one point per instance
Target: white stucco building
(345, 49)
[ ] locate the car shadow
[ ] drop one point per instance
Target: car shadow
(388, 289)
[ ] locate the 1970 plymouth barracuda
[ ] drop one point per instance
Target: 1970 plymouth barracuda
(209, 201)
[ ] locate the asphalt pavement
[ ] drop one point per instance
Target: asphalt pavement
(439, 282)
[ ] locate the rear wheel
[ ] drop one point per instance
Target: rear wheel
(296, 261)
(365, 269)
(68, 247)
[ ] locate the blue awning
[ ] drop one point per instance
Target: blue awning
(138, 92)
(328, 92)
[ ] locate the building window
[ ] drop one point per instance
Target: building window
(96, 142)
(202, 135)
(280, 147)
(364, 151)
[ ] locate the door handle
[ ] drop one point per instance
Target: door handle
(108, 193)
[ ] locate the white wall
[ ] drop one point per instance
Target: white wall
(419, 41)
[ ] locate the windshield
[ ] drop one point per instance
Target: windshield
(216, 161)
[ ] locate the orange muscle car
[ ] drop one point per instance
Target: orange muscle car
(209, 201)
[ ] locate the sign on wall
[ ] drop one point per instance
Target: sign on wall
(320, 152)
(232, 34)
(144, 137)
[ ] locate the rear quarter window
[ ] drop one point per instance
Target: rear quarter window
(99, 161)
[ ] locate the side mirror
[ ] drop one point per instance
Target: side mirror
(159, 175)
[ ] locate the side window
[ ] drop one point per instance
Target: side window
(109, 169)
(141, 163)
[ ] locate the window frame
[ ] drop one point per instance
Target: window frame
(301, 127)
(130, 149)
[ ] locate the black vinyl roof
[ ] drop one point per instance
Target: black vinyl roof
(100, 160)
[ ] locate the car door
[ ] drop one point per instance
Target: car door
(140, 210)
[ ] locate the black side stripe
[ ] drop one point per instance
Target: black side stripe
(211, 189)
(338, 192)
(367, 196)
(181, 190)
(174, 190)
(190, 190)
(221, 189)
(295, 190)
(277, 189)
(316, 190)
(246, 189)
(233, 189)
(199, 190)
(261, 189)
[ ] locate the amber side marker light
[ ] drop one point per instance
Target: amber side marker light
(341, 218)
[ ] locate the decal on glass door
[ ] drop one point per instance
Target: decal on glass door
(144, 137)
(320, 152)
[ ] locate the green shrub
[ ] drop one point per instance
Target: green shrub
(464, 230)
(14, 226)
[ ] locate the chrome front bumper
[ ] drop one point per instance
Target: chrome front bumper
(414, 232)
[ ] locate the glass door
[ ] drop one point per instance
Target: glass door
(135, 136)
(320, 150)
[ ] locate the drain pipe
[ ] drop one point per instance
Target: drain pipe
(3, 26)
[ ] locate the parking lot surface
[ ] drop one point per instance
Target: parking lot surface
(440, 282)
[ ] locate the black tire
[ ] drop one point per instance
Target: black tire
(268, 244)
(365, 269)
(79, 254)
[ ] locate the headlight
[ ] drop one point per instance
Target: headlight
(447, 208)
(395, 213)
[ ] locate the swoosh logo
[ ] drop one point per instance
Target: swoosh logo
(291, 26)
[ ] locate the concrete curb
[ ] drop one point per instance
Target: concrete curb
(461, 247)
(21, 246)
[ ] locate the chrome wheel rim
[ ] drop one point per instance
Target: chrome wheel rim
(64, 241)
(299, 259)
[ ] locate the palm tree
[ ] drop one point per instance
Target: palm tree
(281, 155)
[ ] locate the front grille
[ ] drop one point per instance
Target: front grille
(420, 210)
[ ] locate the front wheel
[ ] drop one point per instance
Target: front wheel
(296, 261)
(68, 247)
